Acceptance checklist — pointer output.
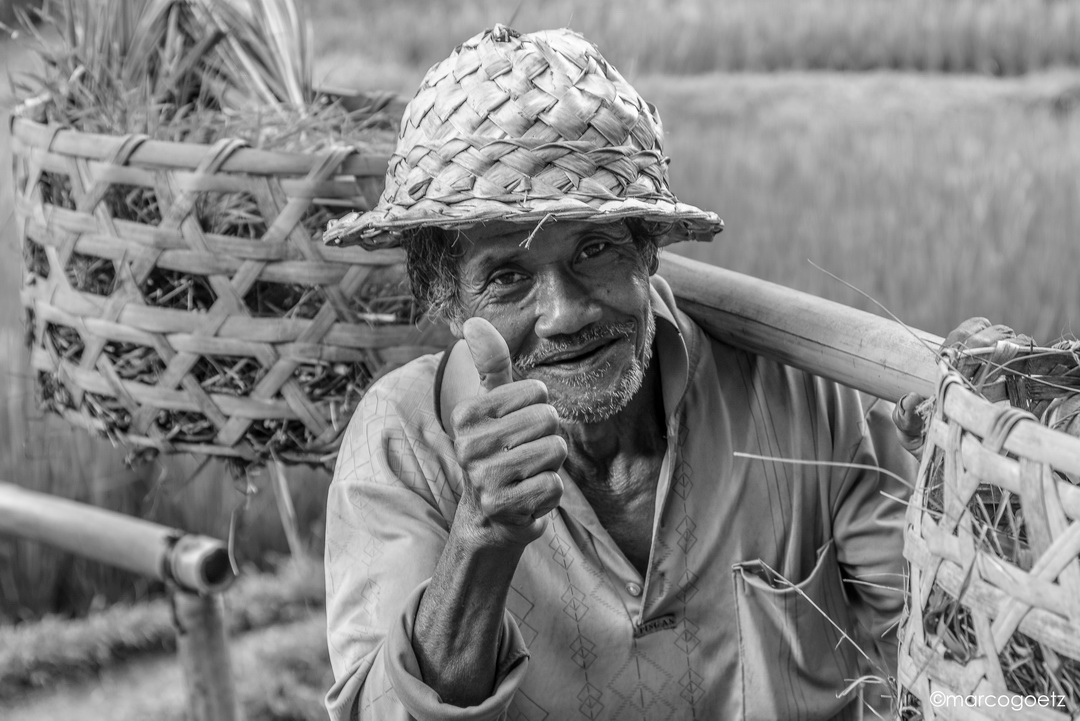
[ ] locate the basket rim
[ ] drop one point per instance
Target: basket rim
(175, 154)
(1028, 438)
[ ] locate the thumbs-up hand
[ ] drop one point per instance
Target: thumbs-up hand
(508, 443)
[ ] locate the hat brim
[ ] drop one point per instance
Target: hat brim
(384, 227)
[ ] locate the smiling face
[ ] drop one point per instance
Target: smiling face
(573, 305)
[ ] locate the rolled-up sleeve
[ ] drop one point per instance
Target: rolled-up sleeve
(869, 530)
(388, 514)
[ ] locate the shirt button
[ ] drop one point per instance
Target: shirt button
(633, 589)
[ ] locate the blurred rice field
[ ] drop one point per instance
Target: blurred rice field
(942, 179)
(943, 197)
(997, 37)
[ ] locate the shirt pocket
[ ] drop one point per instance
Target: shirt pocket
(794, 660)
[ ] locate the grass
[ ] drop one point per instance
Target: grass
(281, 674)
(998, 37)
(942, 197)
(38, 655)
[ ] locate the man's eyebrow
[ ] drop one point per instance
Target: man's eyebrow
(608, 230)
(487, 260)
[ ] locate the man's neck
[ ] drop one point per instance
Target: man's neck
(634, 433)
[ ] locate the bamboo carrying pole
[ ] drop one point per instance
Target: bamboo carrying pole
(852, 347)
(194, 563)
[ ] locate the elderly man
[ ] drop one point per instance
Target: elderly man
(583, 509)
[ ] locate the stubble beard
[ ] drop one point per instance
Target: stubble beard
(578, 398)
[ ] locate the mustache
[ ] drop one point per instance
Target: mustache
(549, 347)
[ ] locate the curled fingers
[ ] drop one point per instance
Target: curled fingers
(499, 402)
(495, 436)
(527, 500)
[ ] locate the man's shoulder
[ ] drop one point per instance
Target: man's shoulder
(394, 438)
(774, 381)
(405, 391)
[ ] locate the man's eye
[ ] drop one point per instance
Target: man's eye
(595, 249)
(507, 278)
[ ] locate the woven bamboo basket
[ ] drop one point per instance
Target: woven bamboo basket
(165, 334)
(993, 625)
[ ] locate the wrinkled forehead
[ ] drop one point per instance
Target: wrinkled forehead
(542, 242)
(544, 231)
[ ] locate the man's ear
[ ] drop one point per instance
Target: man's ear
(654, 263)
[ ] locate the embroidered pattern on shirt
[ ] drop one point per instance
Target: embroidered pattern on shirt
(653, 625)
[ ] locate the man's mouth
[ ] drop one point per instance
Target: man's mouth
(578, 354)
(582, 355)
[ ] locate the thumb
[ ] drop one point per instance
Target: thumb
(489, 353)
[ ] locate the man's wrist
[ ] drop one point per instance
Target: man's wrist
(472, 532)
(479, 548)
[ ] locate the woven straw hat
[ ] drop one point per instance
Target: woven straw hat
(525, 128)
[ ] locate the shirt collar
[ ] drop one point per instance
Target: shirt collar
(674, 351)
(670, 349)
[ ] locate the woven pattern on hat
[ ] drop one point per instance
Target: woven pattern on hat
(522, 128)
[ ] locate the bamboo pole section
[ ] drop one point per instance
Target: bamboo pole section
(203, 650)
(197, 569)
(194, 563)
(858, 349)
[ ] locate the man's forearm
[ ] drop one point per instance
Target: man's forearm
(456, 634)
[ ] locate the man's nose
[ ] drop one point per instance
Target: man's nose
(564, 305)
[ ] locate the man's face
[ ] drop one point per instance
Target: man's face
(573, 305)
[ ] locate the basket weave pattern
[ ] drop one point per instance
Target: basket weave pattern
(993, 542)
(226, 372)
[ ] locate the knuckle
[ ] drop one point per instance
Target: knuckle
(484, 475)
(545, 417)
(472, 446)
(462, 415)
(550, 416)
(465, 445)
(544, 488)
(536, 390)
(554, 449)
(490, 505)
(555, 485)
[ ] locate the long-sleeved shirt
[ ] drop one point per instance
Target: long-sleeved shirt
(764, 581)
